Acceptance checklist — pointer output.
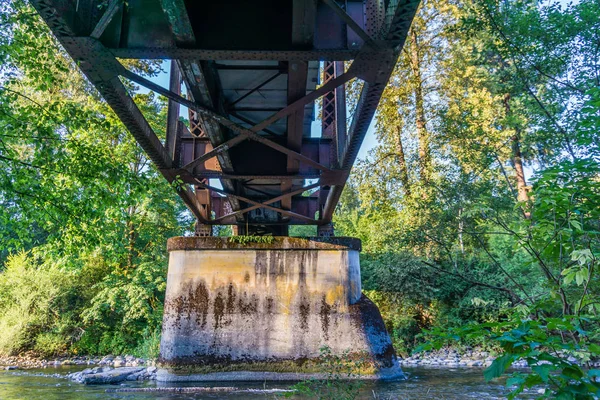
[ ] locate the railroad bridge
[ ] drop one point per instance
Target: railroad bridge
(278, 96)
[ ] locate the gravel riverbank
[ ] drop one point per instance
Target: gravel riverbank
(113, 369)
(469, 358)
(453, 358)
(28, 361)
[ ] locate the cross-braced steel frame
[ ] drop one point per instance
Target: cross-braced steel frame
(209, 146)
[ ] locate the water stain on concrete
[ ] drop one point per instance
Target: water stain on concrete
(324, 313)
(219, 309)
(231, 298)
(304, 311)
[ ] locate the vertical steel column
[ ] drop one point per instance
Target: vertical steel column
(341, 132)
(173, 131)
(202, 195)
(328, 112)
(329, 124)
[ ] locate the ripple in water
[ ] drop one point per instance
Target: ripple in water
(421, 383)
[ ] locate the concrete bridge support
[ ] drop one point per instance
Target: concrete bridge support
(237, 310)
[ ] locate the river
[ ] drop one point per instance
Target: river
(422, 383)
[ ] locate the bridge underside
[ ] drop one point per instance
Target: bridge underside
(244, 136)
(246, 145)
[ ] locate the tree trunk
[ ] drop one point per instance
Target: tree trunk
(517, 161)
(460, 232)
(422, 134)
(518, 164)
(130, 238)
(402, 163)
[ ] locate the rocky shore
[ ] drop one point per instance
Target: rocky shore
(469, 358)
(107, 369)
(29, 361)
(104, 375)
(452, 358)
(115, 369)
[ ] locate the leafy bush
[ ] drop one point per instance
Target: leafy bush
(557, 351)
(149, 347)
(32, 294)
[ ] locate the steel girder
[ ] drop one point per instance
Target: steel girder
(250, 93)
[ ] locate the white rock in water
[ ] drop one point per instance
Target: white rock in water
(116, 375)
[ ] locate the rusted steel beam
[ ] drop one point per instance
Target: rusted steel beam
(266, 202)
(296, 89)
(341, 133)
(253, 202)
(169, 53)
(249, 133)
(214, 152)
(309, 98)
(173, 131)
(351, 22)
(193, 73)
(242, 97)
(197, 86)
(179, 21)
(367, 105)
(221, 175)
(398, 18)
(113, 7)
(328, 117)
(250, 122)
(190, 201)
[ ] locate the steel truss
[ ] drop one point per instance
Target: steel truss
(218, 127)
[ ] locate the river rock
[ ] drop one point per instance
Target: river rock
(106, 360)
(113, 376)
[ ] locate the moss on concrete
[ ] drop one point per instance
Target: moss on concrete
(353, 364)
(259, 243)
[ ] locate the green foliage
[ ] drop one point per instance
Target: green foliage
(81, 196)
(126, 310)
(33, 305)
(303, 230)
(149, 347)
(482, 195)
(555, 349)
(243, 239)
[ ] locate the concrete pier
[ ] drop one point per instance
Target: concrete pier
(242, 310)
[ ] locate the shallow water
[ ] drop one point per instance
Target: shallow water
(422, 383)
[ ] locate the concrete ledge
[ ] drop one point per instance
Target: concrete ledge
(269, 243)
(163, 375)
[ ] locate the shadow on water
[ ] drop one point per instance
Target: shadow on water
(422, 383)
